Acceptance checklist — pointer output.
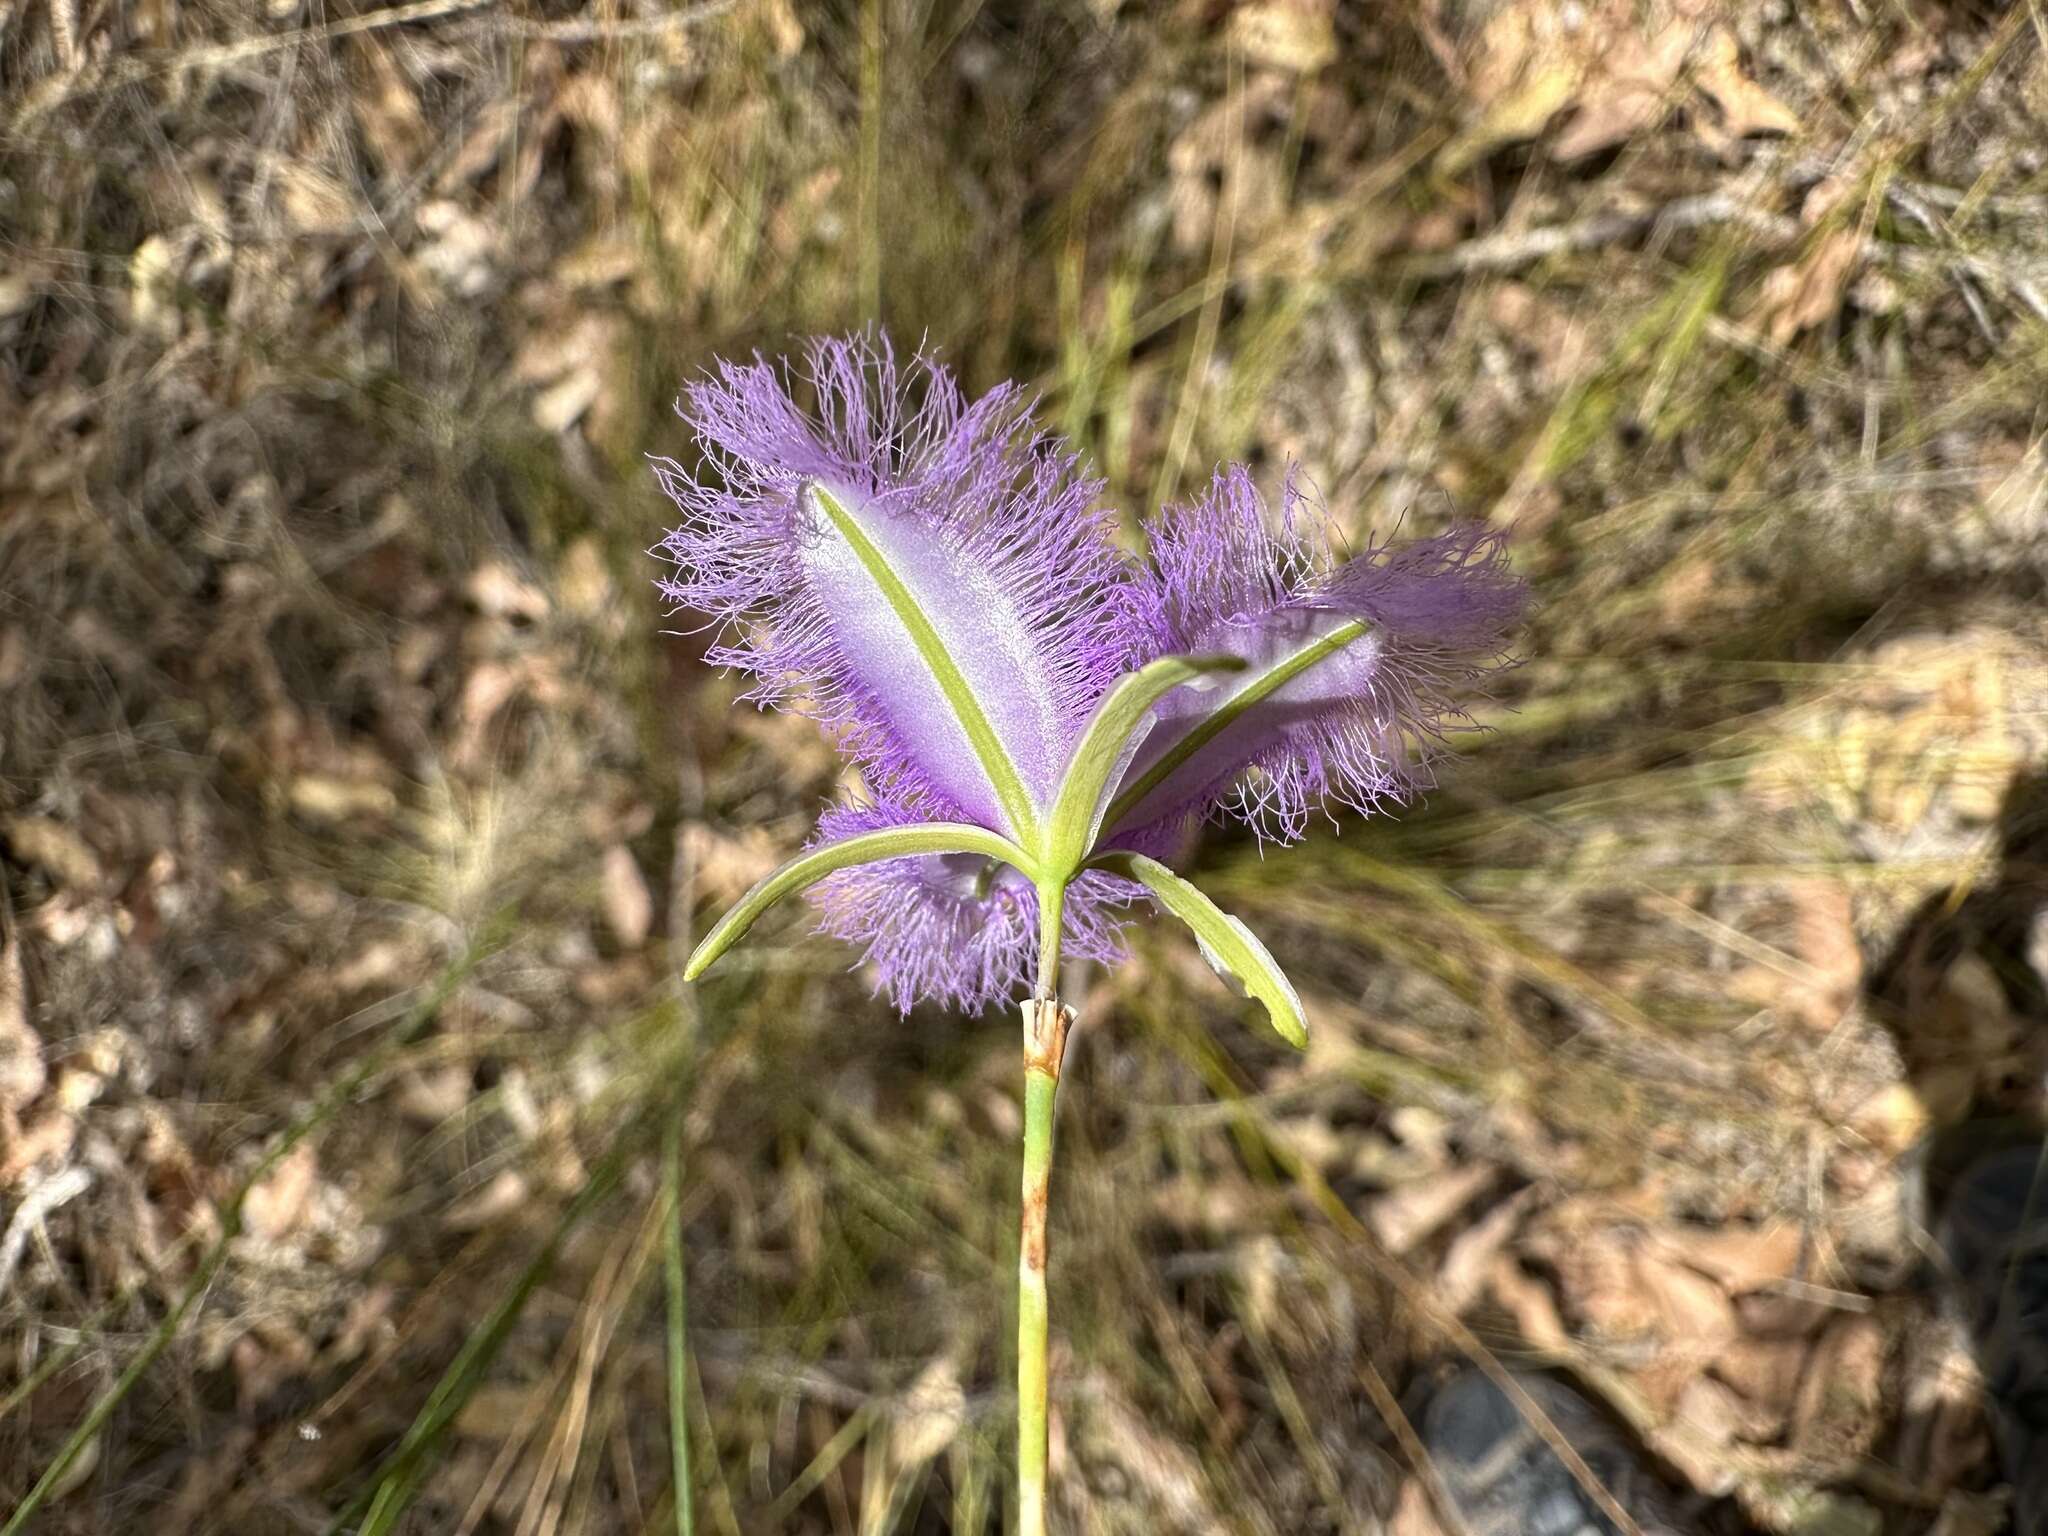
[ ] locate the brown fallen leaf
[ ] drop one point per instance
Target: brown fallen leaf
(1809, 292)
(1630, 89)
(1471, 1255)
(1783, 1315)
(1704, 1424)
(1408, 1215)
(1740, 1258)
(55, 849)
(1295, 35)
(1524, 69)
(1600, 1284)
(1694, 1315)
(278, 1202)
(1617, 68)
(1746, 107)
(1839, 1411)
(1767, 1373)
(628, 905)
(1529, 1302)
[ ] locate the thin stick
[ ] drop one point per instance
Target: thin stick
(1419, 1461)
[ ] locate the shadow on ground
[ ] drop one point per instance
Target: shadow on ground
(1980, 1184)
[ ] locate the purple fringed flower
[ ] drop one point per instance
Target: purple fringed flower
(952, 928)
(823, 540)
(1352, 665)
(986, 521)
(1035, 717)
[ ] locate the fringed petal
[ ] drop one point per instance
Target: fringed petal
(989, 525)
(1359, 724)
(951, 930)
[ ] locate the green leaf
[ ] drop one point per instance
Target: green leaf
(1232, 950)
(1233, 704)
(988, 747)
(1106, 747)
(807, 869)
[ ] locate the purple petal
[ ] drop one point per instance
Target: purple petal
(937, 929)
(986, 522)
(1358, 727)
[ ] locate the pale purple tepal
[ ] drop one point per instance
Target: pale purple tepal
(1403, 628)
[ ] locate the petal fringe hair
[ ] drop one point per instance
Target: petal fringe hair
(1368, 726)
(974, 481)
(937, 931)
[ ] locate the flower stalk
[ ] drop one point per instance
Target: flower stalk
(1045, 1039)
(1046, 1023)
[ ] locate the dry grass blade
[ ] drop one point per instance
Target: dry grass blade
(331, 1103)
(397, 1484)
(676, 1315)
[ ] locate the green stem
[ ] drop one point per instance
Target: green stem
(1045, 1042)
(1052, 901)
(678, 1337)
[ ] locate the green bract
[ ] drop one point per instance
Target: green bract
(1231, 949)
(1105, 750)
(1252, 690)
(966, 707)
(813, 865)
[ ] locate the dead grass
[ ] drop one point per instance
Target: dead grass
(356, 811)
